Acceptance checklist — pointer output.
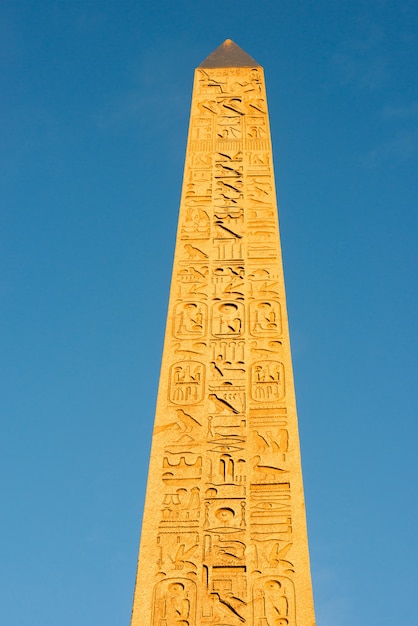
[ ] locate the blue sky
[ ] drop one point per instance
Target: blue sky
(94, 119)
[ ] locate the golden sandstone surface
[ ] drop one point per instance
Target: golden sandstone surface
(224, 537)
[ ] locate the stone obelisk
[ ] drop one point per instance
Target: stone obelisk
(224, 538)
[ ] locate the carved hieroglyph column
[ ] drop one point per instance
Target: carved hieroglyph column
(224, 532)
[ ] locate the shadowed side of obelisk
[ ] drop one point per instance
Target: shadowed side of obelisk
(224, 533)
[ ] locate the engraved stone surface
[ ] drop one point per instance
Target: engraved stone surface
(224, 537)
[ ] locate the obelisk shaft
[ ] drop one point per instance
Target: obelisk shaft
(224, 533)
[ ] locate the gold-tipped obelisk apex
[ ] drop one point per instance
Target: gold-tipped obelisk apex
(224, 537)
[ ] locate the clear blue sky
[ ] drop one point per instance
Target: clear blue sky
(94, 114)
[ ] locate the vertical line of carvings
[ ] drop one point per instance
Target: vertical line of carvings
(224, 581)
(270, 512)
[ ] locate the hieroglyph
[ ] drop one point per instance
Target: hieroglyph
(224, 534)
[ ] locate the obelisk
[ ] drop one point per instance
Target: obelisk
(224, 538)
